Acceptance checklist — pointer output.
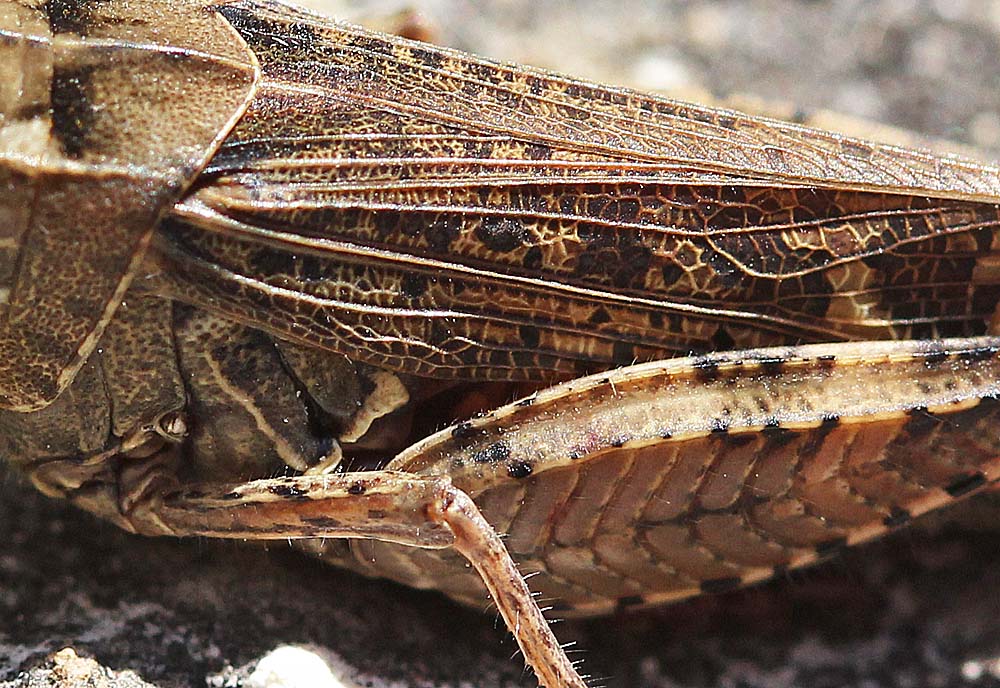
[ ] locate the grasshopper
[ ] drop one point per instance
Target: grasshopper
(244, 241)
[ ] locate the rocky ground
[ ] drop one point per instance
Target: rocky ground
(919, 610)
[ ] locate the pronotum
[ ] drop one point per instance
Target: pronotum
(341, 233)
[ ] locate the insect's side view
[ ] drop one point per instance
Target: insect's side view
(240, 240)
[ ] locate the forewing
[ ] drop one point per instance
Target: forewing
(432, 212)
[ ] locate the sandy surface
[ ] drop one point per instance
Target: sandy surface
(917, 611)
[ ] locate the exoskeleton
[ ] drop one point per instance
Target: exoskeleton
(239, 241)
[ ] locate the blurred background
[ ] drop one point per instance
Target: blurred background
(928, 65)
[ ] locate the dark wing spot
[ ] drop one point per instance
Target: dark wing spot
(262, 33)
(428, 58)
(69, 16)
(599, 316)
(72, 111)
(963, 485)
(623, 354)
(463, 430)
(530, 336)
(271, 262)
(630, 601)
(720, 585)
(830, 547)
(897, 517)
(326, 523)
(921, 422)
(501, 234)
(532, 258)
(413, 286)
(537, 151)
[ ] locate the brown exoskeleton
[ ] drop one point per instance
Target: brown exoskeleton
(283, 241)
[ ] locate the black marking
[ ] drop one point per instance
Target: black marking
(280, 37)
(963, 485)
(771, 365)
(501, 234)
(527, 401)
(69, 16)
(933, 359)
(921, 421)
(778, 436)
(519, 469)
(739, 439)
(496, 453)
(357, 488)
(719, 426)
(560, 607)
(311, 269)
(722, 340)
(530, 336)
(72, 111)
(441, 231)
(524, 359)
(706, 369)
(982, 353)
(623, 354)
(672, 273)
(599, 316)
(856, 149)
(268, 262)
(830, 420)
(538, 151)
(830, 547)
(326, 523)
(897, 517)
(630, 601)
(235, 494)
(288, 492)
(720, 585)
(464, 431)
(532, 258)
(428, 58)
(413, 286)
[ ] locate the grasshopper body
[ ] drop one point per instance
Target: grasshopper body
(352, 238)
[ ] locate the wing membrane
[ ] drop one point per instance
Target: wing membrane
(436, 213)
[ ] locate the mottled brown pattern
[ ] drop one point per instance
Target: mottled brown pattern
(248, 254)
